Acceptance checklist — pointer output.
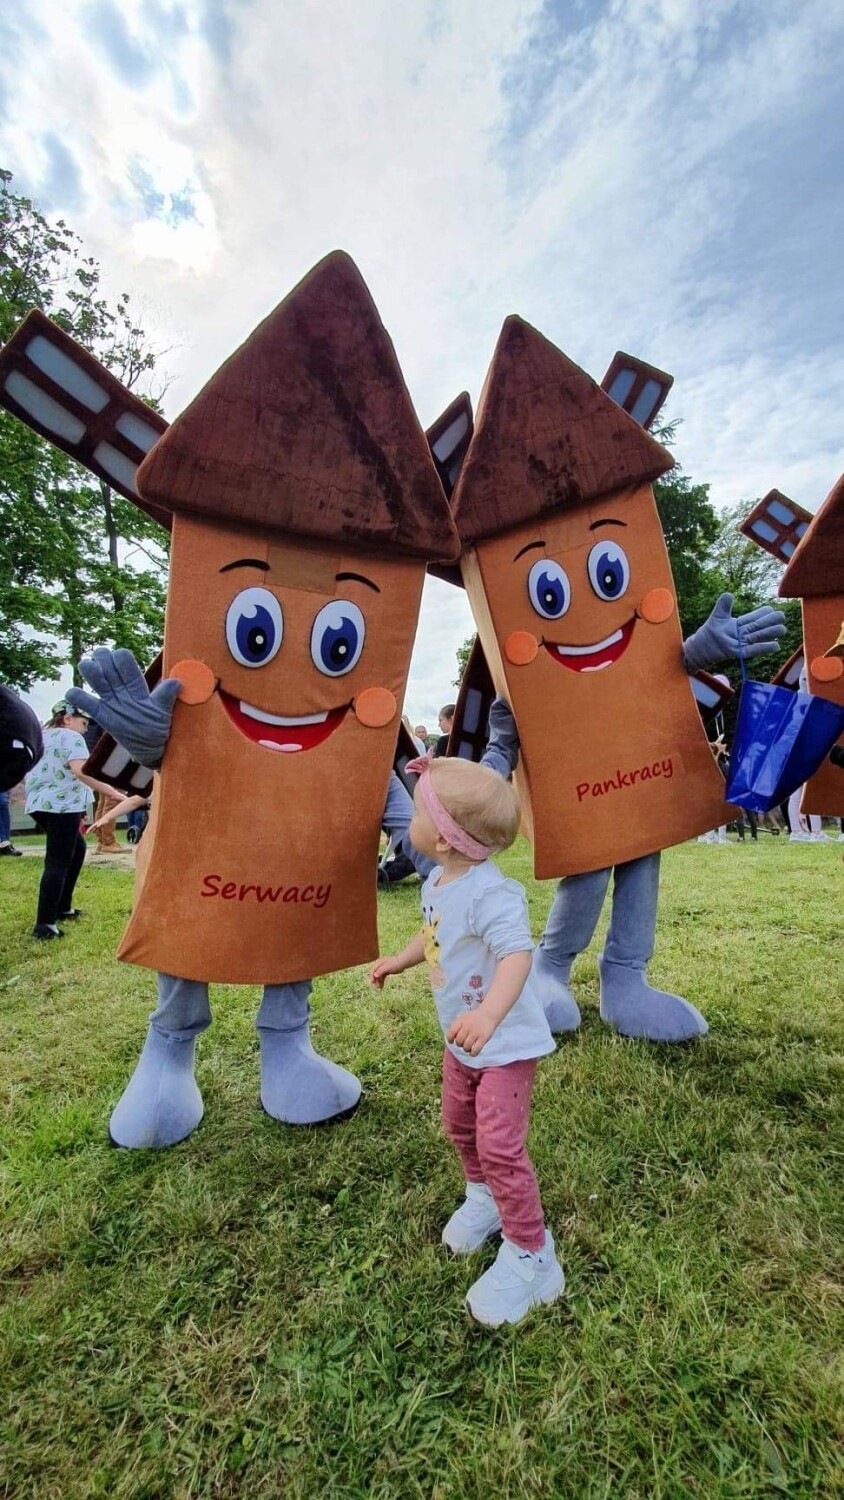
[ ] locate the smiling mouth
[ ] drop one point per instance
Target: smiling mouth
(593, 658)
(276, 732)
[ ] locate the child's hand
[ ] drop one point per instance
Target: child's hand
(380, 970)
(471, 1031)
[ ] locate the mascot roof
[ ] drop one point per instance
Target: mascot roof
(308, 428)
(817, 566)
(546, 437)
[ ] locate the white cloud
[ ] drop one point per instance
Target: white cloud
(620, 175)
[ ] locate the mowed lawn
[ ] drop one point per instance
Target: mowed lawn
(266, 1311)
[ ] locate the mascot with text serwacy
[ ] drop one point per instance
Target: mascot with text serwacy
(304, 506)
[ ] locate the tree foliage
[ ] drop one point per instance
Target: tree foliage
(79, 566)
(463, 654)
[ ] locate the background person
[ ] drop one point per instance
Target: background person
(56, 795)
(446, 721)
(104, 827)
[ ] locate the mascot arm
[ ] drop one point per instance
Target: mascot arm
(136, 718)
(717, 639)
(502, 751)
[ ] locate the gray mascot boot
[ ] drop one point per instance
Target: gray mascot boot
(161, 1104)
(298, 1086)
(628, 1002)
(571, 922)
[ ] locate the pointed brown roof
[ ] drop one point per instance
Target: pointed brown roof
(309, 428)
(546, 436)
(817, 566)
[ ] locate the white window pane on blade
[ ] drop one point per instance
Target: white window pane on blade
(43, 409)
(140, 433)
(122, 469)
(65, 373)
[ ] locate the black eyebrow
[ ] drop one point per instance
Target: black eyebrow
(358, 578)
(246, 562)
(528, 548)
(607, 521)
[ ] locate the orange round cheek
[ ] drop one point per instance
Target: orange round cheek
(656, 607)
(827, 668)
(374, 707)
(198, 681)
(521, 647)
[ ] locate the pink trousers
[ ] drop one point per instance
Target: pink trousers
(486, 1113)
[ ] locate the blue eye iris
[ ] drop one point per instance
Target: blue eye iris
(254, 627)
(549, 589)
(609, 570)
(337, 637)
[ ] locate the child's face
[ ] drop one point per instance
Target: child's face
(423, 831)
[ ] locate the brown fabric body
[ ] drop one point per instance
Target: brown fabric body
(224, 807)
(822, 616)
(582, 731)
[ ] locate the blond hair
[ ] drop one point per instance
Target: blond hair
(480, 801)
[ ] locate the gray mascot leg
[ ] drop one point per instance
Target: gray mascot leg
(628, 1002)
(298, 1086)
(571, 922)
(162, 1104)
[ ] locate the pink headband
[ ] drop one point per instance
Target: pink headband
(444, 823)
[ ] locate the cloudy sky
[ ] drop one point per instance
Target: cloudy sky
(662, 176)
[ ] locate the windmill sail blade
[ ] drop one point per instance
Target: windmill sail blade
(448, 439)
(469, 732)
(776, 524)
(638, 388)
(710, 693)
(53, 385)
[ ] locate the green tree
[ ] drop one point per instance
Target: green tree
(80, 566)
(463, 654)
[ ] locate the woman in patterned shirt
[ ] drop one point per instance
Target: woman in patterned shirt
(55, 800)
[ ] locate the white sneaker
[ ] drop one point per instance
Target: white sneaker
(516, 1282)
(473, 1222)
(706, 838)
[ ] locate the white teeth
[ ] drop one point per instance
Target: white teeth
(590, 650)
(283, 723)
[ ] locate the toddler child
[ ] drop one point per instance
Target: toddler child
(477, 943)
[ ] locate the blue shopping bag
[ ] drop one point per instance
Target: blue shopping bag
(781, 738)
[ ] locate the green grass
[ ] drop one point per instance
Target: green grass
(266, 1311)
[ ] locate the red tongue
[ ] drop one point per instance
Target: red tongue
(281, 738)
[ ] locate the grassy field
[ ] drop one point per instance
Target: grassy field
(266, 1311)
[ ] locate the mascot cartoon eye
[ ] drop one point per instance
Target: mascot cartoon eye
(337, 637)
(609, 570)
(549, 589)
(254, 627)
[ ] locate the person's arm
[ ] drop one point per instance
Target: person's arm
(125, 805)
(97, 786)
(396, 963)
(473, 1030)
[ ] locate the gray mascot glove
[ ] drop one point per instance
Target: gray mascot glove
(502, 751)
(136, 718)
(717, 639)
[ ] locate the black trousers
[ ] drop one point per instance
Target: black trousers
(64, 859)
